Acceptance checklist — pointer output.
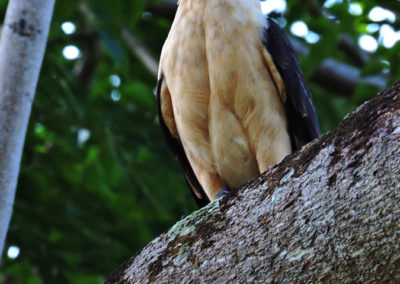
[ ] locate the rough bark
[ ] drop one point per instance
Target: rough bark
(22, 46)
(329, 213)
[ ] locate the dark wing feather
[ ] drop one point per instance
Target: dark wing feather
(175, 146)
(300, 111)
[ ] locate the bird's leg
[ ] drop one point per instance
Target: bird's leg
(273, 152)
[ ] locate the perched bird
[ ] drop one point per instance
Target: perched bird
(231, 96)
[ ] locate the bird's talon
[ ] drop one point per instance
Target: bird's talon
(222, 193)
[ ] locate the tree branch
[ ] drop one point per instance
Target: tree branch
(86, 67)
(140, 51)
(329, 213)
(354, 53)
(135, 46)
(344, 78)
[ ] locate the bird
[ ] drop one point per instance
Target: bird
(231, 97)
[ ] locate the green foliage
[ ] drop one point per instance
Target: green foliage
(84, 205)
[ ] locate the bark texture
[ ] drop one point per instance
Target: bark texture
(329, 213)
(22, 46)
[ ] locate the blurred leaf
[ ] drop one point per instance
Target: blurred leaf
(140, 94)
(112, 46)
(364, 92)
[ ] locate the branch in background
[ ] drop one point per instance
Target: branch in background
(85, 10)
(86, 67)
(354, 53)
(340, 77)
(329, 213)
(140, 51)
(343, 78)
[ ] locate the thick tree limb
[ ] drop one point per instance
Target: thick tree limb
(22, 46)
(329, 213)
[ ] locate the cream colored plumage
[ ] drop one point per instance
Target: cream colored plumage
(221, 95)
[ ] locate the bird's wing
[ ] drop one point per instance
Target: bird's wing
(300, 111)
(171, 136)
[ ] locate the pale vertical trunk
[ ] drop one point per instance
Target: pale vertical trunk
(22, 47)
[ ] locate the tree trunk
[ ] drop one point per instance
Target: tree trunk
(329, 213)
(22, 46)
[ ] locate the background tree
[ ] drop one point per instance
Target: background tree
(22, 48)
(97, 182)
